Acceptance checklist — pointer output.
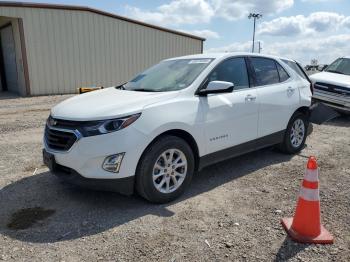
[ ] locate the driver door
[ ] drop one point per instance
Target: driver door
(230, 119)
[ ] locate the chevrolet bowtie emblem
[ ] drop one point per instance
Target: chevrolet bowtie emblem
(53, 122)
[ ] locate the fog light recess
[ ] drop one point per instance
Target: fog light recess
(112, 163)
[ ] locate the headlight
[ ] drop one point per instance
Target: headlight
(108, 126)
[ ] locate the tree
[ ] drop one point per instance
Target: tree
(314, 62)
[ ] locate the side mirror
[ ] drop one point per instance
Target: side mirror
(215, 87)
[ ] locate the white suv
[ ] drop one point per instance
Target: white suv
(154, 132)
(332, 86)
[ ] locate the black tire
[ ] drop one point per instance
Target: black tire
(286, 146)
(144, 180)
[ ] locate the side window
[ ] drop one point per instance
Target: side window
(282, 73)
(296, 68)
(265, 71)
(232, 70)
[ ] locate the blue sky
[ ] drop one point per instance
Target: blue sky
(300, 29)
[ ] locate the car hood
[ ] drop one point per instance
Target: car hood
(331, 78)
(106, 104)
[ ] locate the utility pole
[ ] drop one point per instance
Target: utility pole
(259, 47)
(254, 16)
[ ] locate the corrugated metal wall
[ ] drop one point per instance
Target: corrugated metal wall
(68, 49)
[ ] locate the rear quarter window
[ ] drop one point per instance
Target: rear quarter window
(282, 73)
(296, 68)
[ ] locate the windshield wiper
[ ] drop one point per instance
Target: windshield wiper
(121, 87)
(144, 90)
(335, 71)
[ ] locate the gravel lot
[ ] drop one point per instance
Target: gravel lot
(231, 211)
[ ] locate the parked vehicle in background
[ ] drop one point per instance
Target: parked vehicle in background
(311, 67)
(298, 68)
(321, 67)
(154, 132)
(332, 86)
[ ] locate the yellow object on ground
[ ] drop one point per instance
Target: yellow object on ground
(82, 90)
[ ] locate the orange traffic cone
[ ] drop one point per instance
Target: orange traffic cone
(306, 226)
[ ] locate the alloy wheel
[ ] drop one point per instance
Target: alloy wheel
(297, 133)
(169, 171)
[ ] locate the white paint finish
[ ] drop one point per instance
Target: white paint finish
(337, 101)
(69, 49)
(231, 119)
(219, 85)
(107, 103)
(331, 78)
(216, 122)
(277, 103)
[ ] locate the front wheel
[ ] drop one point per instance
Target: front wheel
(296, 133)
(165, 170)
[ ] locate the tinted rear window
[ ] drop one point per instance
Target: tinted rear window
(265, 71)
(295, 67)
(282, 73)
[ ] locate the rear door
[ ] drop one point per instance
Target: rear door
(278, 95)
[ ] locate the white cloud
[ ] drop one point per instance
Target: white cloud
(175, 13)
(319, 1)
(282, 26)
(202, 33)
(178, 12)
(325, 50)
(346, 22)
(232, 10)
(234, 47)
(303, 25)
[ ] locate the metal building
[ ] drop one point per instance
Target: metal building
(54, 49)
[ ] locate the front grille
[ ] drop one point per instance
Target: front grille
(335, 89)
(68, 124)
(59, 140)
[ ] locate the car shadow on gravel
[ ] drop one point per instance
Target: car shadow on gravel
(341, 121)
(76, 212)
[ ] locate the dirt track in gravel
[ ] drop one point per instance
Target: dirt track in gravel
(231, 211)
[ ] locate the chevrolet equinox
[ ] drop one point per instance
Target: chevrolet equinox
(154, 132)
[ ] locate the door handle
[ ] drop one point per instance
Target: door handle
(290, 90)
(250, 98)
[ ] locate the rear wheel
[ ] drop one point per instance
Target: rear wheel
(296, 133)
(165, 170)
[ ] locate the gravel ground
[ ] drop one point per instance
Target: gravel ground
(231, 212)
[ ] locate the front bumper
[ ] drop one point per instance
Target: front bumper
(123, 186)
(339, 102)
(87, 154)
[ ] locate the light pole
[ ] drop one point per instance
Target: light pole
(254, 16)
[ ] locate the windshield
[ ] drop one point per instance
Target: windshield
(340, 66)
(168, 75)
